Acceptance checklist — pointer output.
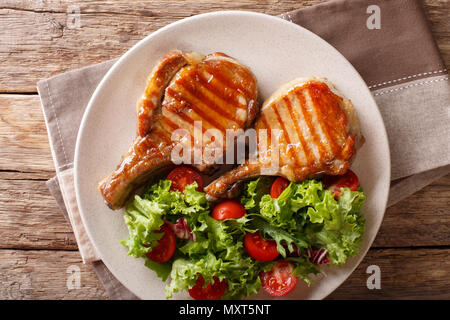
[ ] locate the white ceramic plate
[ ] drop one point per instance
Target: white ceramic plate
(276, 51)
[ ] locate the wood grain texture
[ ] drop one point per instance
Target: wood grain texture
(30, 217)
(422, 219)
(24, 143)
(405, 274)
(43, 274)
(37, 40)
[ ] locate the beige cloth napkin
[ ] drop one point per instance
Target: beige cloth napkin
(400, 63)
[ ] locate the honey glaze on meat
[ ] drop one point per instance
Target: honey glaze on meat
(209, 92)
(318, 134)
(184, 89)
(313, 131)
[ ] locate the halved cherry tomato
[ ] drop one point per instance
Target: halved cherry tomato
(279, 281)
(212, 291)
(260, 249)
(166, 246)
(335, 183)
(184, 176)
(278, 187)
(229, 209)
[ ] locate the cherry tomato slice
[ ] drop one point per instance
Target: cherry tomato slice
(229, 209)
(212, 291)
(260, 249)
(166, 246)
(279, 281)
(335, 183)
(278, 187)
(183, 176)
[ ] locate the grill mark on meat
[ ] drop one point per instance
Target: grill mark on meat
(223, 75)
(324, 127)
(191, 121)
(207, 105)
(180, 122)
(219, 89)
(332, 112)
(324, 144)
(182, 98)
(203, 93)
(195, 99)
(173, 126)
(168, 122)
(305, 130)
(315, 140)
(205, 124)
(304, 147)
(190, 115)
(285, 133)
(268, 153)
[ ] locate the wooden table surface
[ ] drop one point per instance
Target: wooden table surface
(37, 246)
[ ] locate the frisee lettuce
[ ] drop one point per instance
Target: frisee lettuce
(306, 213)
(146, 214)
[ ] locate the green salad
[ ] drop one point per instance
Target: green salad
(232, 249)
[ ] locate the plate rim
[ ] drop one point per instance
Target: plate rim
(193, 18)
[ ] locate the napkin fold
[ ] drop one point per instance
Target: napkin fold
(388, 42)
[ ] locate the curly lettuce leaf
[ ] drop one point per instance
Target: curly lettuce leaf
(254, 191)
(162, 269)
(278, 211)
(342, 230)
(281, 237)
(303, 268)
(146, 214)
(307, 215)
(218, 251)
(241, 273)
(142, 218)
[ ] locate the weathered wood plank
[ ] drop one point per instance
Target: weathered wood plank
(422, 219)
(38, 41)
(24, 143)
(438, 12)
(21, 175)
(44, 275)
(30, 217)
(405, 274)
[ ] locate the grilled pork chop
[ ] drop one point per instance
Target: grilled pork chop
(183, 88)
(316, 132)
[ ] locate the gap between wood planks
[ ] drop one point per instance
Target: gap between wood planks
(33, 93)
(6, 174)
